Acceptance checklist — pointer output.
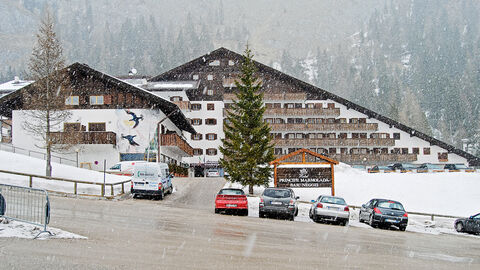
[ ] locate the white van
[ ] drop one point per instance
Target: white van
(124, 167)
(150, 178)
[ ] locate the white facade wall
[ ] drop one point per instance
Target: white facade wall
(116, 120)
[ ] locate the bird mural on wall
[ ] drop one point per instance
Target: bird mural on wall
(135, 118)
(130, 139)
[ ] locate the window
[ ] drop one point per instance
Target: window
(96, 100)
(211, 151)
(176, 98)
(269, 105)
(396, 151)
(195, 77)
(342, 135)
(96, 127)
(362, 120)
(342, 120)
(210, 77)
(298, 121)
(277, 151)
(210, 92)
(210, 107)
(343, 150)
(332, 150)
(231, 62)
(331, 105)
(211, 136)
(279, 121)
(311, 120)
(363, 135)
(311, 135)
(443, 156)
(299, 136)
(72, 100)
(210, 121)
(426, 150)
(404, 151)
(331, 120)
(197, 152)
(196, 137)
(277, 105)
(331, 135)
(71, 126)
(289, 105)
(290, 120)
(196, 121)
(353, 120)
(196, 107)
(396, 136)
(269, 120)
(290, 135)
(355, 136)
(298, 105)
(416, 150)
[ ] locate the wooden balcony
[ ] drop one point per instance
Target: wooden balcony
(84, 137)
(370, 159)
(306, 143)
(183, 105)
(325, 127)
(175, 141)
(272, 97)
(302, 112)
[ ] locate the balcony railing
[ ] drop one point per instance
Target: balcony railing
(324, 127)
(332, 142)
(369, 159)
(174, 140)
(302, 112)
(273, 97)
(84, 137)
(183, 105)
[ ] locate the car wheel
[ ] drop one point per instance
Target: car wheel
(217, 211)
(344, 223)
(245, 212)
(403, 228)
(135, 196)
(310, 214)
(459, 227)
(296, 212)
(261, 215)
(161, 195)
(360, 217)
(291, 217)
(371, 222)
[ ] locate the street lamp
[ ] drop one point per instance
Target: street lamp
(76, 151)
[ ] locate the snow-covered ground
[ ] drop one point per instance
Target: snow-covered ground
(17, 229)
(25, 164)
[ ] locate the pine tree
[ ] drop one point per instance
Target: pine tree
(247, 149)
(45, 101)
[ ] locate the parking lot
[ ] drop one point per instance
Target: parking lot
(182, 232)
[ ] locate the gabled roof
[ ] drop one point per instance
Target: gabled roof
(304, 151)
(14, 100)
(313, 92)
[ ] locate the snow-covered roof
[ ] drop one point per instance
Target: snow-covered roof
(171, 85)
(13, 85)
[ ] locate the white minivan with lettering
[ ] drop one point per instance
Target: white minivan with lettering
(151, 179)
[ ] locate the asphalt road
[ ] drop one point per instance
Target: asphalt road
(182, 232)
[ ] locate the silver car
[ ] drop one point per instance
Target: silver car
(330, 208)
(278, 201)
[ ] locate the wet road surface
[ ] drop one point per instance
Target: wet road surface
(182, 232)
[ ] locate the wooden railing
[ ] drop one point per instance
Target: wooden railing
(85, 137)
(271, 97)
(324, 127)
(103, 191)
(302, 112)
(333, 142)
(183, 105)
(176, 141)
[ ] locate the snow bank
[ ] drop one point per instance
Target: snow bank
(30, 165)
(24, 230)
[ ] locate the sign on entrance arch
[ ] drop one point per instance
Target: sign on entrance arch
(304, 169)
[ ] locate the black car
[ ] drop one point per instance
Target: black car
(383, 212)
(278, 201)
(468, 225)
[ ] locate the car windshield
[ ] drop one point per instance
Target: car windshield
(277, 193)
(231, 192)
(390, 204)
(333, 200)
(461, 166)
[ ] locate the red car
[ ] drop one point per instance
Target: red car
(231, 200)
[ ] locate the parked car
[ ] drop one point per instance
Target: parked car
(468, 225)
(428, 167)
(404, 167)
(152, 179)
(458, 168)
(330, 208)
(278, 201)
(213, 173)
(231, 200)
(378, 169)
(383, 212)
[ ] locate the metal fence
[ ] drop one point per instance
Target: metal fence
(36, 154)
(24, 204)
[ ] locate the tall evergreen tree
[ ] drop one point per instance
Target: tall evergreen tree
(247, 149)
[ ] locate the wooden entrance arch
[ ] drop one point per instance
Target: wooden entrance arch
(299, 176)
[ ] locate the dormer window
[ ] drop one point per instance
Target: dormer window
(195, 77)
(231, 62)
(214, 63)
(210, 77)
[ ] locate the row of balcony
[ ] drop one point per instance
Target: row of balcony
(302, 112)
(109, 137)
(271, 96)
(378, 159)
(325, 127)
(306, 143)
